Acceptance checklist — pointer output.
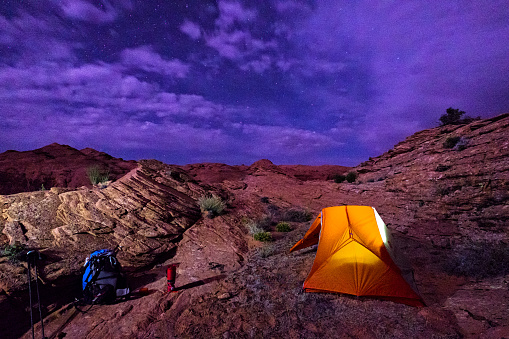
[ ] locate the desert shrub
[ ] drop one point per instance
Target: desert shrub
(211, 204)
(442, 168)
(451, 117)
(263, 236)
(351, 176)
(296, 215)
(13, 252)
(264, 200)
(283, 227)
(339, 178)
(253, 227)
(266, 251)
(461, 144)
(450, 142)
(479, 260)
(97, 175)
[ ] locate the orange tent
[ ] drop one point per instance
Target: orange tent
(356, 256)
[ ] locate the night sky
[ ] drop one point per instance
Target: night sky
(296, 82)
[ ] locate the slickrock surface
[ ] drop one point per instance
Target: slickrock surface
(448, 208)
(465, 188)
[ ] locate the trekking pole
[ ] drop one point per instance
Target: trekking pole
(30, 295)
(32, 257)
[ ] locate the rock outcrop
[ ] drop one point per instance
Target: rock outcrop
(457, 175)
(211, 173)
(55, 165)
(147, 212)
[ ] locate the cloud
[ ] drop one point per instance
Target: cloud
(191, 29)
(237, 45)
(282, 141)
(85, 11)
(235, 37)
(146, 59)
(29, 39)
(231, 12)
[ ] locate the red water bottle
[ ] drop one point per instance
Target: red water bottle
(171, 273)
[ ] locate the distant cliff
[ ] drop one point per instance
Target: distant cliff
(55, 165)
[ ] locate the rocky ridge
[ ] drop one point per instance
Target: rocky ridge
(55, 165)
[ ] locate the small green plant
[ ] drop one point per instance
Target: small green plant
(211, 204)
(450, 142)
(263, 236)
(98, 175)
(13, 252)
(339, 178)
(266, 251)
(351, 176)
(42, 187)
(283, 227)
(257, 232)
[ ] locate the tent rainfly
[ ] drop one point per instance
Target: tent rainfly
(356, 256)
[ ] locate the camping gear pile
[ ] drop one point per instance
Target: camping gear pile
(103, 280)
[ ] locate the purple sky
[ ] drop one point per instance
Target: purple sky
(297, 82)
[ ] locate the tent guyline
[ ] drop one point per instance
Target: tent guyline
(356, 255)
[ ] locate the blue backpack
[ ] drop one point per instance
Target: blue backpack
(103, 280)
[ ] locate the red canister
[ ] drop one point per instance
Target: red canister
(171, 273)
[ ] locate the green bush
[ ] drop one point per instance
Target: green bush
(211, 204)
(451, 117)
(339, 178)
(351, 176)
(450, 142)
(283, 227)
(13, 252)
(263, 236)
(98, 175)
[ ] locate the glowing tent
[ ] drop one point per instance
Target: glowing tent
(356, 256)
